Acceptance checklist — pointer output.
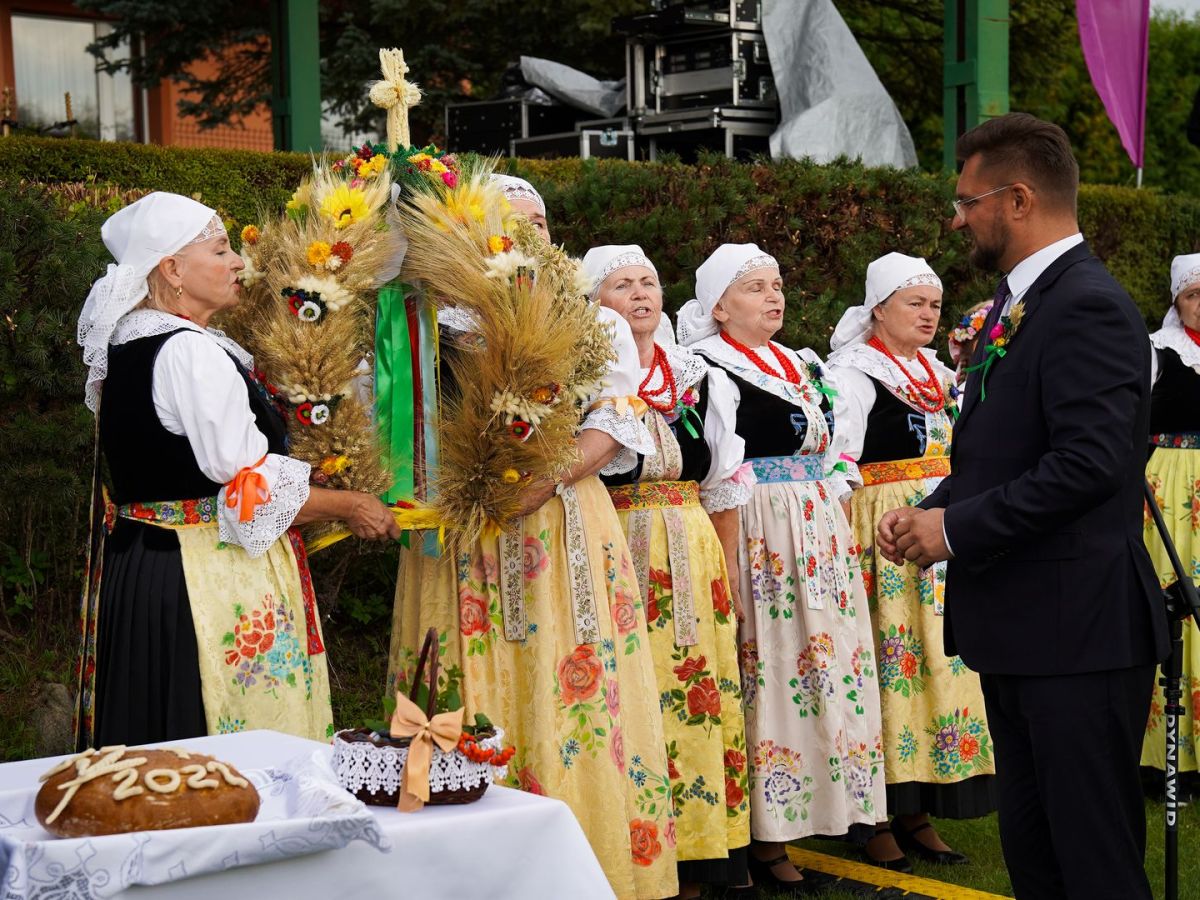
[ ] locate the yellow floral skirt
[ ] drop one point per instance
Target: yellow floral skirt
(545, 633)
(699, 686)
(262, 661)
(1175, 476)
(934, 725)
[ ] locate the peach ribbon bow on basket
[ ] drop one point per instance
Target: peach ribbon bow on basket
(410, 721)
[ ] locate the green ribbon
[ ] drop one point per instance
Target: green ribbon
(992, 354)
(684, 412)
(394, 400)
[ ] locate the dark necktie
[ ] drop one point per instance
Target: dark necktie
(998, 300)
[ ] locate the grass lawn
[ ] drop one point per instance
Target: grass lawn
(979, 839)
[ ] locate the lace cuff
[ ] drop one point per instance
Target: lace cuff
(625, 461)
(728, 494)
(626, 427)
(287, 480)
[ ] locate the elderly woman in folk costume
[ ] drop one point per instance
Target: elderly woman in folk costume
(664, 504)
(1174, 472)
(204, 619)
(575, 688)
(808, 672)
(895, 417)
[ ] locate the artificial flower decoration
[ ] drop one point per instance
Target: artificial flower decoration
(1000, 337)
(499, 243)
(335, 465)
(307, 306)
(250, 235)
(318, 254)
(342, 252)
(325, 290)
(522, 431)
(344, 206)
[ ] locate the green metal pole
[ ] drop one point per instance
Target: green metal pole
(975, 68)
(295, 75)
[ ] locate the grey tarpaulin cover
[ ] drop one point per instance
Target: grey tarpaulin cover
(832, 101)
(603, 98)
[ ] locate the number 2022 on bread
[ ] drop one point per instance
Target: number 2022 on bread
(114, 790)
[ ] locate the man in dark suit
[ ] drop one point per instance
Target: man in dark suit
(1050, 594)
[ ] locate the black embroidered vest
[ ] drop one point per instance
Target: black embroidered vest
(770, 425)
(1175, 400)
(147, 463)
(894, 429)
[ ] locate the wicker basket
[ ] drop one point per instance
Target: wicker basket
(369, 764)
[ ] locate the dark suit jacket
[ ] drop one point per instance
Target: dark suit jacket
(1043, 505)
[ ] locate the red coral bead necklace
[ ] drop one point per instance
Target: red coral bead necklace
(789, 371)
(927, 395)
(655, 398)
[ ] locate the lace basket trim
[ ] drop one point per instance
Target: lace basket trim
(359, 764)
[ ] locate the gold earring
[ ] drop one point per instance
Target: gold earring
(179, 292)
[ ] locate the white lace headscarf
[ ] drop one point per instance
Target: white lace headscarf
(1185, 272)
(600, 262)
(139, 237)
(885, 276)
(727, 264)
(515, 188)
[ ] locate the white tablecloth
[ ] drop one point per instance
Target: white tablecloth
(508, 844)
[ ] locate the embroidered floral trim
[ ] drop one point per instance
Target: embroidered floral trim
(1186, 441)
(173, 513)
(766, 261)
(214, 228)
(655, 495)
(904, 470)
(620, 261)
(1185, 281)
(780, 469)
(920, 278)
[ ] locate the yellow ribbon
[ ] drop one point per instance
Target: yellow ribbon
(417, 518)
(409, 721)
(396, 95)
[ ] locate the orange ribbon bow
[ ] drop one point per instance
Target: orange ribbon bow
(249, 488)
(444, 729)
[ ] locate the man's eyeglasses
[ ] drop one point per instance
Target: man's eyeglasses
(961, 206)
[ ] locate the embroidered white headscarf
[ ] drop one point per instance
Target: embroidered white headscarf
(1185, 272)
(885, 276)
(600, 262)
(727, 264)
(139, 237)
(515, 188)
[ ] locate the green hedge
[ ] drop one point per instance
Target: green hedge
(823, 223)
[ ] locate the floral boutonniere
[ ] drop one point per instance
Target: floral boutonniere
(1001, 337)
(685, 411)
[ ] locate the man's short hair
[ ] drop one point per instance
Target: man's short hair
(1021, 147)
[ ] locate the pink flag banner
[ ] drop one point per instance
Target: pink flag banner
(1115, 35)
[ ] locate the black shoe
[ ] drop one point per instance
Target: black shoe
(741, 892)
(902, 864)
(910, 844)
(813, 884)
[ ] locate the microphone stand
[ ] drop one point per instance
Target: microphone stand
(1182, 601)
